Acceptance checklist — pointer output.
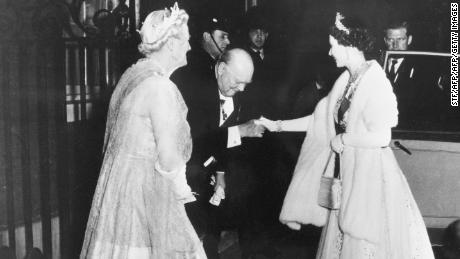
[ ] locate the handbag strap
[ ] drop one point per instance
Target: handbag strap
(337, 167)
(327, 163)
(337, 164)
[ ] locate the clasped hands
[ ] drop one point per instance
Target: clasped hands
(256, 128)
(273, 126)
(337, 143)
(251, 129)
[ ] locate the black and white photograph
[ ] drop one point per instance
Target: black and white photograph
(229, 129)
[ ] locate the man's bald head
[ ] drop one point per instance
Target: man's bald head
(234, 71)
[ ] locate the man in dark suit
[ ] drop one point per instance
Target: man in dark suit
(217, 133)
(397, 38)
(417, 81)
(402, 70)
(257, 97)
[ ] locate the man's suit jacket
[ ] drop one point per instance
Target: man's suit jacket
(198, 85)
(405, 71)
(199, 71)
(404, 87)
(420, 99)
(210, 139)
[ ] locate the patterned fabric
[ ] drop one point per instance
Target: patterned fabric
(135, 213)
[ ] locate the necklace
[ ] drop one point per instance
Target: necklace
(354, 80)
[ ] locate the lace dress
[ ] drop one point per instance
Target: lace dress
(134, 212)
(413, 242)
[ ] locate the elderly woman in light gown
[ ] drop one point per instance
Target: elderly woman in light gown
(138, 207)
(378, 217)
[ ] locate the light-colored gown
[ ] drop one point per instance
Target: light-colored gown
(135, 213)
(378, 217)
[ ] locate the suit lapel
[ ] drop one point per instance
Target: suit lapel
(216, 107)
(403, 67)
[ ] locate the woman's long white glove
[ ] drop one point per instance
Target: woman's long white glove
(179, 184)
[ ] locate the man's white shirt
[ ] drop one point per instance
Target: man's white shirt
(234, 137)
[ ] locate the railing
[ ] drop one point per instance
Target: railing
(32, 131)
(53, 103)
(90, 73)
(54, 94)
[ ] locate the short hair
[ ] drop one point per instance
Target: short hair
(159, 27)
(355, 34)
(396, 24)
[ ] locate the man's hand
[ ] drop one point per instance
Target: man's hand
(269, 124)
(251, 129)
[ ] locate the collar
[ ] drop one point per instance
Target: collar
(399, 60)
(225, 98)
(258, 50)
(397, 64)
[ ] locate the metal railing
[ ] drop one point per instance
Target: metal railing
(54, 98)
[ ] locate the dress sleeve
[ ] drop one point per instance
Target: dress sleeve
(380, 115)
(167, 113)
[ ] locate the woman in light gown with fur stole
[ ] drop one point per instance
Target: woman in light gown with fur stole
(378, 217)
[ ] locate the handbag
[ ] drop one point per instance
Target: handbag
(330, 189)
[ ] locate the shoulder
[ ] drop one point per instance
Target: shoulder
(249, 51)
(199, 58)
(376, 77)
(201, 95)
(376, 87)
(157, 86)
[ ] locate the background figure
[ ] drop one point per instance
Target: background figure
(348, 134)
(257, 98)
(402, 71)
(138, 207)
(213, 40)
(415, 78)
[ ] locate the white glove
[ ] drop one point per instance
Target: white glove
(179, 184)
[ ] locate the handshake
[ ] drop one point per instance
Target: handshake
(256, 128)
